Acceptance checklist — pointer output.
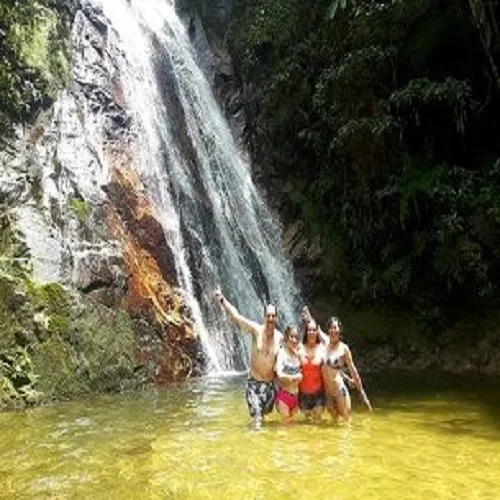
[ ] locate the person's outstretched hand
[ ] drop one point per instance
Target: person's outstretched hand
(306, 313)
(218, 295)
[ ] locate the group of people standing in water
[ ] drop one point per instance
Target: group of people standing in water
(289, 373)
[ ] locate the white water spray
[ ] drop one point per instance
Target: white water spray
(215, 220)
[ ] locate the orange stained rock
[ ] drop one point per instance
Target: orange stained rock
(147, 285)
(131, 183)
(148, 291)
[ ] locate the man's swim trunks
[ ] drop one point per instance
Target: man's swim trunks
(260, 397)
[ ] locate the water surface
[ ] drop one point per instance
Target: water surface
(437, 438)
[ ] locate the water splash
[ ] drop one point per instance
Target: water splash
(216, 222)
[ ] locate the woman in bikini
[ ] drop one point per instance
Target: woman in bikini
(289, 375)
(311, 389)
(338, 355)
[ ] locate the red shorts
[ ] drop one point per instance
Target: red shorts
(291, 400)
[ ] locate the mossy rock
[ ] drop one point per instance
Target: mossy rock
(35, 62)
(96, 354)
(56, 364)
(56, 344)
(107, 342)
(13, 322)
(80, 208)
(18, 367)
(8, 394)
(53, 306)
(17, 379)
(52, 297)
(76, 347)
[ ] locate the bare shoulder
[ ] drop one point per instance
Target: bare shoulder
(321, 350)
(280, 354)
(345, 348)
(301, 351)
(254, 327)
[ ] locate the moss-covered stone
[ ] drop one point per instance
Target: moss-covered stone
(106, 342)
(88, 348)
(35, 58)
(8, 394)
(57, 346)
(53, 309)
(57, 363)
(40, 46)
(18, 379)
(80, 208)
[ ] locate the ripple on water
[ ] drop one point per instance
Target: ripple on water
(194, 441)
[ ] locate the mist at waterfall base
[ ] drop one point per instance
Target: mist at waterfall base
(218, 226)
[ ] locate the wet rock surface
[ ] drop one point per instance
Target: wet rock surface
(209, 27)
(477, 356)
(70, 184)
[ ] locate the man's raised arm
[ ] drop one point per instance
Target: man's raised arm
(245, 323)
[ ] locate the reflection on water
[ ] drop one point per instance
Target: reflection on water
(194, 441)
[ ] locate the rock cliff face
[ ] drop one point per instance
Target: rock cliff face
(209, 24)
(480, 352)
(68, 184)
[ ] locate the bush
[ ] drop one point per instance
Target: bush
(378, 118)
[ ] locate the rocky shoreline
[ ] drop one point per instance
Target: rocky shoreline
(484, 358)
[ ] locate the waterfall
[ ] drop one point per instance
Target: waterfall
(216, 221)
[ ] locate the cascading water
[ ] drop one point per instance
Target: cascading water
(216, 222)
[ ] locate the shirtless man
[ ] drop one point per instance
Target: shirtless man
(266, 339)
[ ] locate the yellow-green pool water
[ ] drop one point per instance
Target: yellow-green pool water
(432, 440)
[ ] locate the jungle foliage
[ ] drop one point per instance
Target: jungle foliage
(33, 57)
(379, 122)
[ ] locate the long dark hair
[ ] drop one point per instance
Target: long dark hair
(332, 321)
(304, 338)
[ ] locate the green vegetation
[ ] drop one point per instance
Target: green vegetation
(379, 122)
(80, 208)
(34, 58)
(53, 345)
(54, 348)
